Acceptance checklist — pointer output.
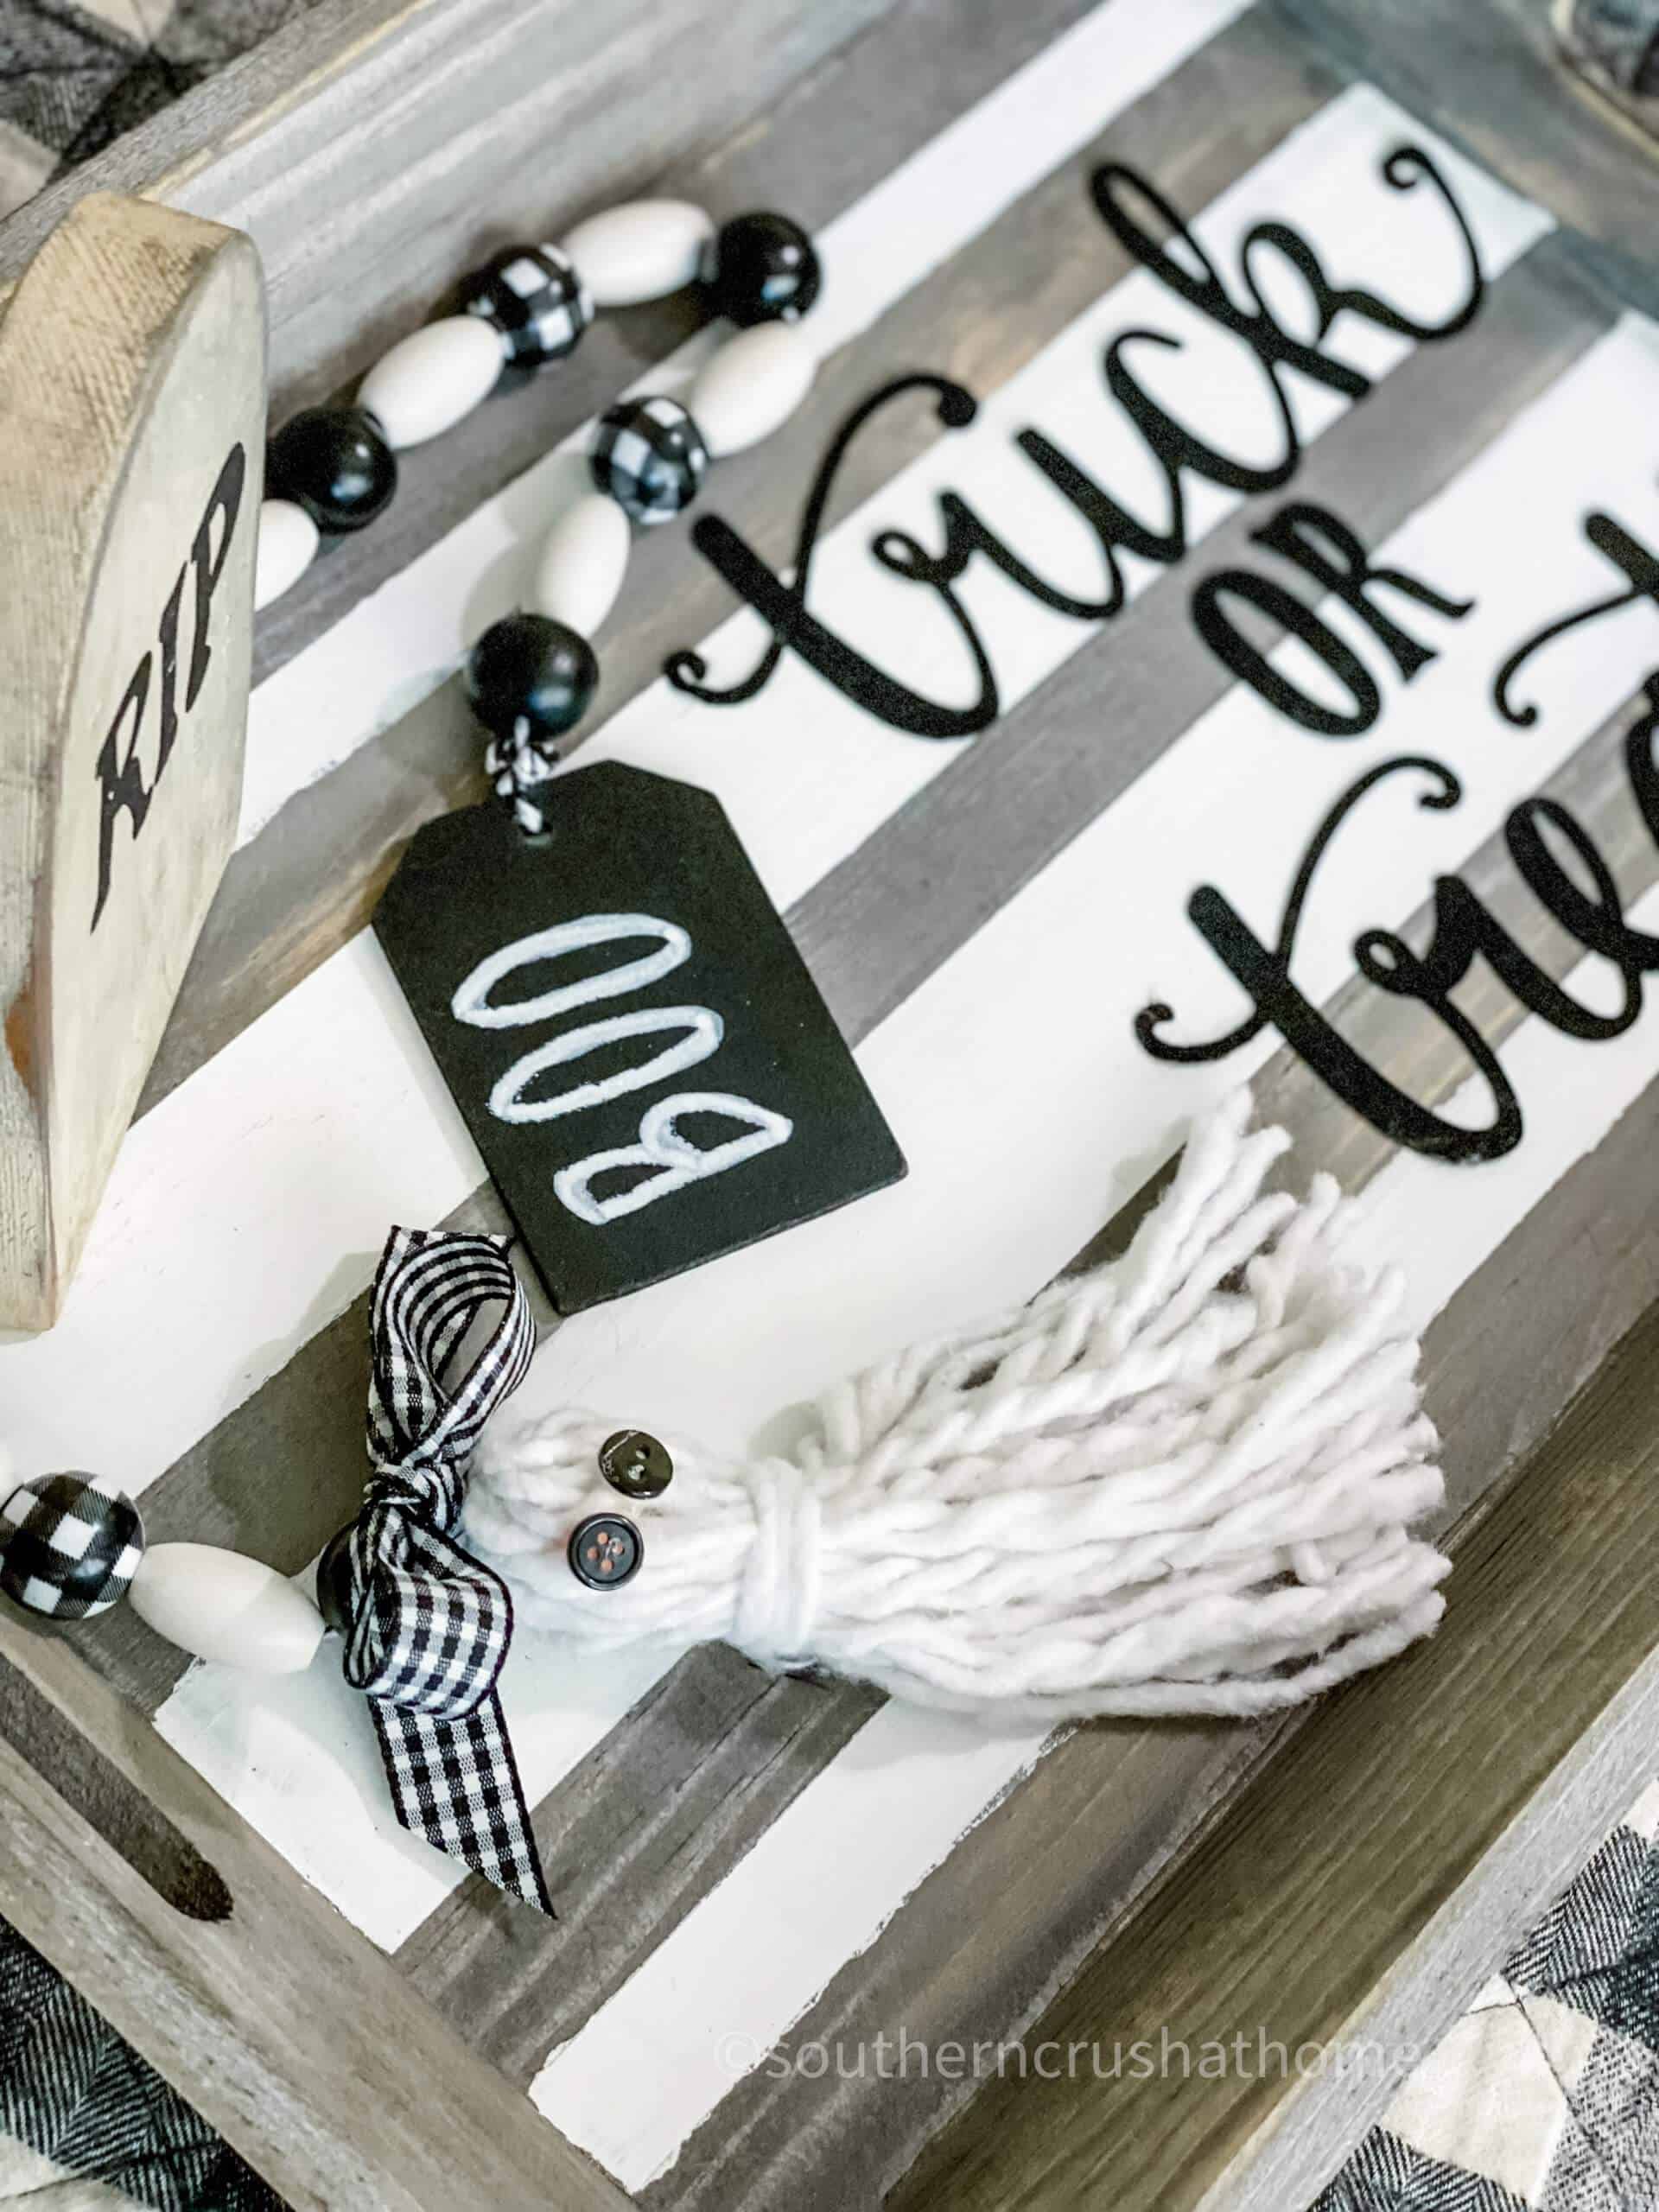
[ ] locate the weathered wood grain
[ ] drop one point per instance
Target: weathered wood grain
(288, 2031)
(94, 1786)
(136, 329)
(630, 1842)
(311, 878)
(371, 147)
(865, 965)
(1327, 1868)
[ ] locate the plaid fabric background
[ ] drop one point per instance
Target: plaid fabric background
(78, 2106)
(1545, 2096)
(72, 77)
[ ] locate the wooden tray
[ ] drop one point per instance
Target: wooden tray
(749, 1869)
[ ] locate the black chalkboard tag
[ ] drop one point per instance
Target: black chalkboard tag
(635, 1043)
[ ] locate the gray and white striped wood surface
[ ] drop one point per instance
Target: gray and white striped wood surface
(743, 1865)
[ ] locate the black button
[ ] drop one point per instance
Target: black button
(605, 1551)
(635, 1464)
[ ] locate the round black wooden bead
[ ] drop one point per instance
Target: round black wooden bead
(335, 1581)
(69, 1545)
(763, 268)
(530, 668)
(650, 456)
(605, 1551)
(635, 1464)
(335, 463)
(537, 301)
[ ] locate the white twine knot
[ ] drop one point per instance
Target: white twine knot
(778, 1589)
(1182, 1482)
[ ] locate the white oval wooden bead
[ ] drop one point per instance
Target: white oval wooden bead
(583, 561)
(288, 545)
(224, 1605)
(641, 251)
(755, 382)
(433, 377)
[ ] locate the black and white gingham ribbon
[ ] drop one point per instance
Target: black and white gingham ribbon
(429, 1626)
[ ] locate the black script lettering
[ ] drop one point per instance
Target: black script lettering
(1626, 553)
(124, 786)
(226, 502)
(1231, 647)
(1324, 548)
(121, 777)
(1541, 838)
(1323, 545)
(783, 606)
(1181, 264)
(1263, 972)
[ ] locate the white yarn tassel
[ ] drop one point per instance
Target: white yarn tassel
(1180, 1484)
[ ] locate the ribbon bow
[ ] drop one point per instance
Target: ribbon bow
(428, 1627)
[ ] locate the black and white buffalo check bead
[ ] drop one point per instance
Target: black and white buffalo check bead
(537, 301)
(650, 456)
(69, 1545)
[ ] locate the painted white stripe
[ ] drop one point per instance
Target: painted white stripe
(1014, 1082)
(398, 646)
(724, 1989)
(711, 2001)
(246, 1210)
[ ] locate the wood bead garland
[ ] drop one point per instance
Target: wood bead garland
(335, 463)
(642, 250)
(522, 311)
(650, 456)
(583, 559)
(762, 267)
(535, 299)
(224, 1606)
(288, 539)
(432, 379)
(71, 1546)
(752, 387)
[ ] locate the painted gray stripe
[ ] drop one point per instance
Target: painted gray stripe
(311, 878)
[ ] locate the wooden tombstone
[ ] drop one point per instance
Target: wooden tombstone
(133, 408)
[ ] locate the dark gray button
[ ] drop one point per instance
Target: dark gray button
(605, 1551)
(635, 1464)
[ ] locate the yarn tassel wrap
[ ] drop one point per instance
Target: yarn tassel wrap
(1182, 1482)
